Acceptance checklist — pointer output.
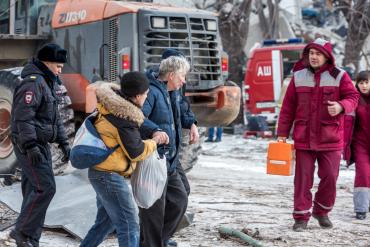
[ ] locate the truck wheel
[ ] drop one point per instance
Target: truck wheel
(9, 79)
(189, 153)
(67, 114)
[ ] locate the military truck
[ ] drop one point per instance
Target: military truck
(104, 40)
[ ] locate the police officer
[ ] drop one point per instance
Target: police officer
(35, 124)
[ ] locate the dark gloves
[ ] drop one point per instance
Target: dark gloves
(66, 151)
(34, 155)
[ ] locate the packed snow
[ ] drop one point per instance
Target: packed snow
(230, 188)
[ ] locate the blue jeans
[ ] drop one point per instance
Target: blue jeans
(116, 211)
(211, 132)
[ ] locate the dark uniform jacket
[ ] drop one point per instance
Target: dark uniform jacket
(35, 117)
(169, 112)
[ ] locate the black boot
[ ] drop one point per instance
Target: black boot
(299, 225)
(360, 215)
(20, 239)
(324, 221)
(170, 243)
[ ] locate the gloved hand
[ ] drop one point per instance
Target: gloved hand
(66, 151)
(34, 155)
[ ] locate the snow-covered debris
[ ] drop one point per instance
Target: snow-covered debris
(230, 187)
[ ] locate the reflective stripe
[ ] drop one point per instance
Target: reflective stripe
(304, 78)
(301, 212)
(361, 189)
(340, 75)
(324, 207)
(327, 80)
(353, 114)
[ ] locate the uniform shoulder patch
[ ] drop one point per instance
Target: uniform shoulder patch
(28, 97)
(33, 77)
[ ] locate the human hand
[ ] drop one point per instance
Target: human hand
(281, 139)
(34, 155)
(194, 134)
(66, 151)
(334, 108)
(161, 137)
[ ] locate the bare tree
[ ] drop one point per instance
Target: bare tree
(358, 18)
(269, 25)
(234, 25)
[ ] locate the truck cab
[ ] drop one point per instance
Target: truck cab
(266, 70)
(104, 40)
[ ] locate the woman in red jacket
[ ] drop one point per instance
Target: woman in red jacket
(361, 147)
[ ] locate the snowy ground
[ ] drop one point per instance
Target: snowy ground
(230, 188)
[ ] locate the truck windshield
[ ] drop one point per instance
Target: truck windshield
(26, 15)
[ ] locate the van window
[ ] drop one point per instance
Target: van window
(289, 59)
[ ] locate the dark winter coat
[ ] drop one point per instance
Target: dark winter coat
(118, 123)
(169, 112)
(35, 117)
(306, 103)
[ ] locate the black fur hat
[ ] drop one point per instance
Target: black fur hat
(134, 83)
(52, 53)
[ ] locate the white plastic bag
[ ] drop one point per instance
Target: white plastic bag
(148, 180)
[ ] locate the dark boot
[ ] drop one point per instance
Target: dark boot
(170, 243)
(299, 225)
(20, 239)
(360, 215)
(324, 221)
(34, 242)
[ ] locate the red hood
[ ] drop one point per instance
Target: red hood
(321, 45)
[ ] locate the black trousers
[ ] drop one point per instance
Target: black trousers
(183, 177)
(38, 188)
(159, 222)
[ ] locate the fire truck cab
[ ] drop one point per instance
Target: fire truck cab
(267, 68)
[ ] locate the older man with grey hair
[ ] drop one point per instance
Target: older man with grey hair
(166, 118)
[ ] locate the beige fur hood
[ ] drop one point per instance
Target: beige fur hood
(115, 104)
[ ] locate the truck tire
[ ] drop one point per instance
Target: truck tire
(189, 153)
(67, 114)
(9, 79)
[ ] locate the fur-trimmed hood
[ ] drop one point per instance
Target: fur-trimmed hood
(111, 102)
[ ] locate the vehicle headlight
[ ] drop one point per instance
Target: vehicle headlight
(211, 25)
(158, 22)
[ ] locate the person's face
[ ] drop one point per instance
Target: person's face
(316, 59)
(364, 87)
(175, 81)
(140, 98)
(56, 68)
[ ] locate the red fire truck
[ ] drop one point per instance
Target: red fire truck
(267, 68)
